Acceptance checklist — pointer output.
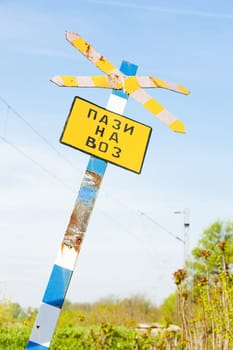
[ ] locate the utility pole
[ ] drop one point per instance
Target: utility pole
(186, 214)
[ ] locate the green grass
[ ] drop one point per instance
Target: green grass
(104, 337)
(14, 338)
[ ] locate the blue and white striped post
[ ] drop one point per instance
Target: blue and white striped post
(54, 296)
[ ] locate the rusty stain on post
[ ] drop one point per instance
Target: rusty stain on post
(82, 210)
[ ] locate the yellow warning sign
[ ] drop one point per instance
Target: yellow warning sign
(106, 135)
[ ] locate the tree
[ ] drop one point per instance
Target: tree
(168, 310)
(213, 252)
(208, 304)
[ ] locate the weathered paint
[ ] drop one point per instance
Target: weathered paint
(82, 210)
(117, 80)
(54, 296)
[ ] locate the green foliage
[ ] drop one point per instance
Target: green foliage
(168, 310)
(88, 326)
(13, 338)
(12, 313)
(121, 312)
(104, 337)
(205, 294)
(215, 239)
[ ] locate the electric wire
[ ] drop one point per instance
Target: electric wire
(131, 233)
(37, 163)
(147, 217)
(43, 138)
(51, 174)
(159, 225)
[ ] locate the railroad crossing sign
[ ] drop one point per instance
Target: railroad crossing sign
(107, 135)
(115, 79)
(123, 84)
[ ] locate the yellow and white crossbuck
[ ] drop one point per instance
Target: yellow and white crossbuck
(114, 79)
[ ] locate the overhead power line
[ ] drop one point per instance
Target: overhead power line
(51, 174)
(43, 138)
(162, 227)
(48, 172)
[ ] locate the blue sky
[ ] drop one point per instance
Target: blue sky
(124, 252)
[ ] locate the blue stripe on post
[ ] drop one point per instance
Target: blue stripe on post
(34, 346)
(87, 194)
(128, 69)
(97, 165)
(57, 286)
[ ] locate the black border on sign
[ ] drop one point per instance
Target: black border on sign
(106, 160)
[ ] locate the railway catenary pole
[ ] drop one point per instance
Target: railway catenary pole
(55, 292)
(185, 240)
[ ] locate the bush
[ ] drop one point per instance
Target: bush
(104, 337)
